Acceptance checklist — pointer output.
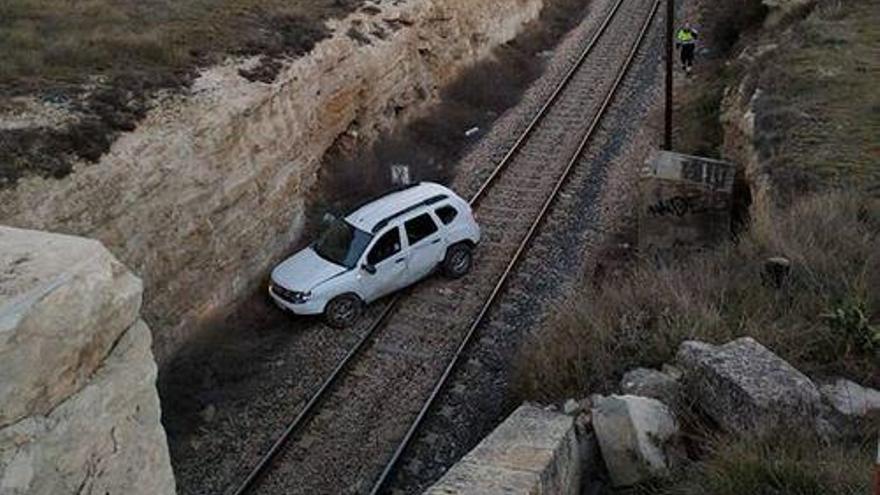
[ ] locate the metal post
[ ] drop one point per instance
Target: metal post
(670, 63)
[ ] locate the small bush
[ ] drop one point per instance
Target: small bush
(823, 320)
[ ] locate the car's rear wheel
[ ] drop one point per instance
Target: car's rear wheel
(458, 261)
(343, 311)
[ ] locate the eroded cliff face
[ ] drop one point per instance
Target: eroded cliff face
(797, 115)
(209, 191)
(79, 410)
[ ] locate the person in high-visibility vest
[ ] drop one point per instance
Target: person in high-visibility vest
(686, 39)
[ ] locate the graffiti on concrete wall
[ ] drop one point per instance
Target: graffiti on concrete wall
(678, 206)
(683, 205)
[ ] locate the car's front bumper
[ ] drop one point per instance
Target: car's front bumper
(310, 307)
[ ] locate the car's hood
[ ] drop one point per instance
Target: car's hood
(304, 270)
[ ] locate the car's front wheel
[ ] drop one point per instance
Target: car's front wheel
(343, 311)
(458, 261)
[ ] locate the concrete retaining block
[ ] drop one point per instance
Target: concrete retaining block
(533, 452)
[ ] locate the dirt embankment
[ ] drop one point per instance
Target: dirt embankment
(210, 189)
(801, 111)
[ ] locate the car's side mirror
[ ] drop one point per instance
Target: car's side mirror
(371, 269)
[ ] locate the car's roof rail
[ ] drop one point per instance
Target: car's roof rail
(427, 202)
(395, 189)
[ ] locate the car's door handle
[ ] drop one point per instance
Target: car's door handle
(435, 241)
(400, 260)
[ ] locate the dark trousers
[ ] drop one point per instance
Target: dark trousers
(687, 54)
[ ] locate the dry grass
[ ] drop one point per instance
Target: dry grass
(818, 116)
(791, 464)
(104, 59)
(51, 40)
(825, 322)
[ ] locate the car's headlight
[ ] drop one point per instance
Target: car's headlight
(291, 296)
(302, 297)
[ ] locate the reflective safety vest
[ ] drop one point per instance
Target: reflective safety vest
(685, 36)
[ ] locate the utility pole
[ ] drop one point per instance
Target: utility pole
(670, 63)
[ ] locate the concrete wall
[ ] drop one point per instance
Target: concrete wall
(533, 451)
(79, 411)
(685, 204)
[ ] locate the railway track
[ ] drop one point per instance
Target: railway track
(352, 432)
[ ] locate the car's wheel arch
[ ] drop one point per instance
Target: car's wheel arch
(330, 298)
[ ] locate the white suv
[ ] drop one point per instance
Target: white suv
(385, 245)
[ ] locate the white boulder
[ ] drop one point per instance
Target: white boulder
(634, 434)
(106, 438)
(850, 398)
(64, 301)
(645, 382)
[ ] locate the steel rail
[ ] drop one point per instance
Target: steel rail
(390, 466)
(304, 413)
(267, 458)
(508, 157)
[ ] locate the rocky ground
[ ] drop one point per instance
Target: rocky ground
(656, 425)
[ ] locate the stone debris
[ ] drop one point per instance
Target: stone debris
(571, 407)
(745, 387)
(646, 382)
(633, 433)
(850, 398)
(673, 371)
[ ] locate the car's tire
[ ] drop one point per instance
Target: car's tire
(343, 311)
(458, 261)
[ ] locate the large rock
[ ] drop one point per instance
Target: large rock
(79, 412)
(747, 388)
(851, 399)
(646, 382)
(64, 301)
(533, 451)
(633, 433)
(104, 439)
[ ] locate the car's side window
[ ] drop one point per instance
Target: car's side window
(387, 246)
(419, 227)
(446, 214)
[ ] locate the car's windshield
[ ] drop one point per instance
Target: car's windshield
(342, 243)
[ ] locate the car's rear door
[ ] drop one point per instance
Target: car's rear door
(426, 246)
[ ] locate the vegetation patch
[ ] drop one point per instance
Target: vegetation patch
(102, 60)
(825, 320)
(816, 116)
(818, 110)
(790, 463)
